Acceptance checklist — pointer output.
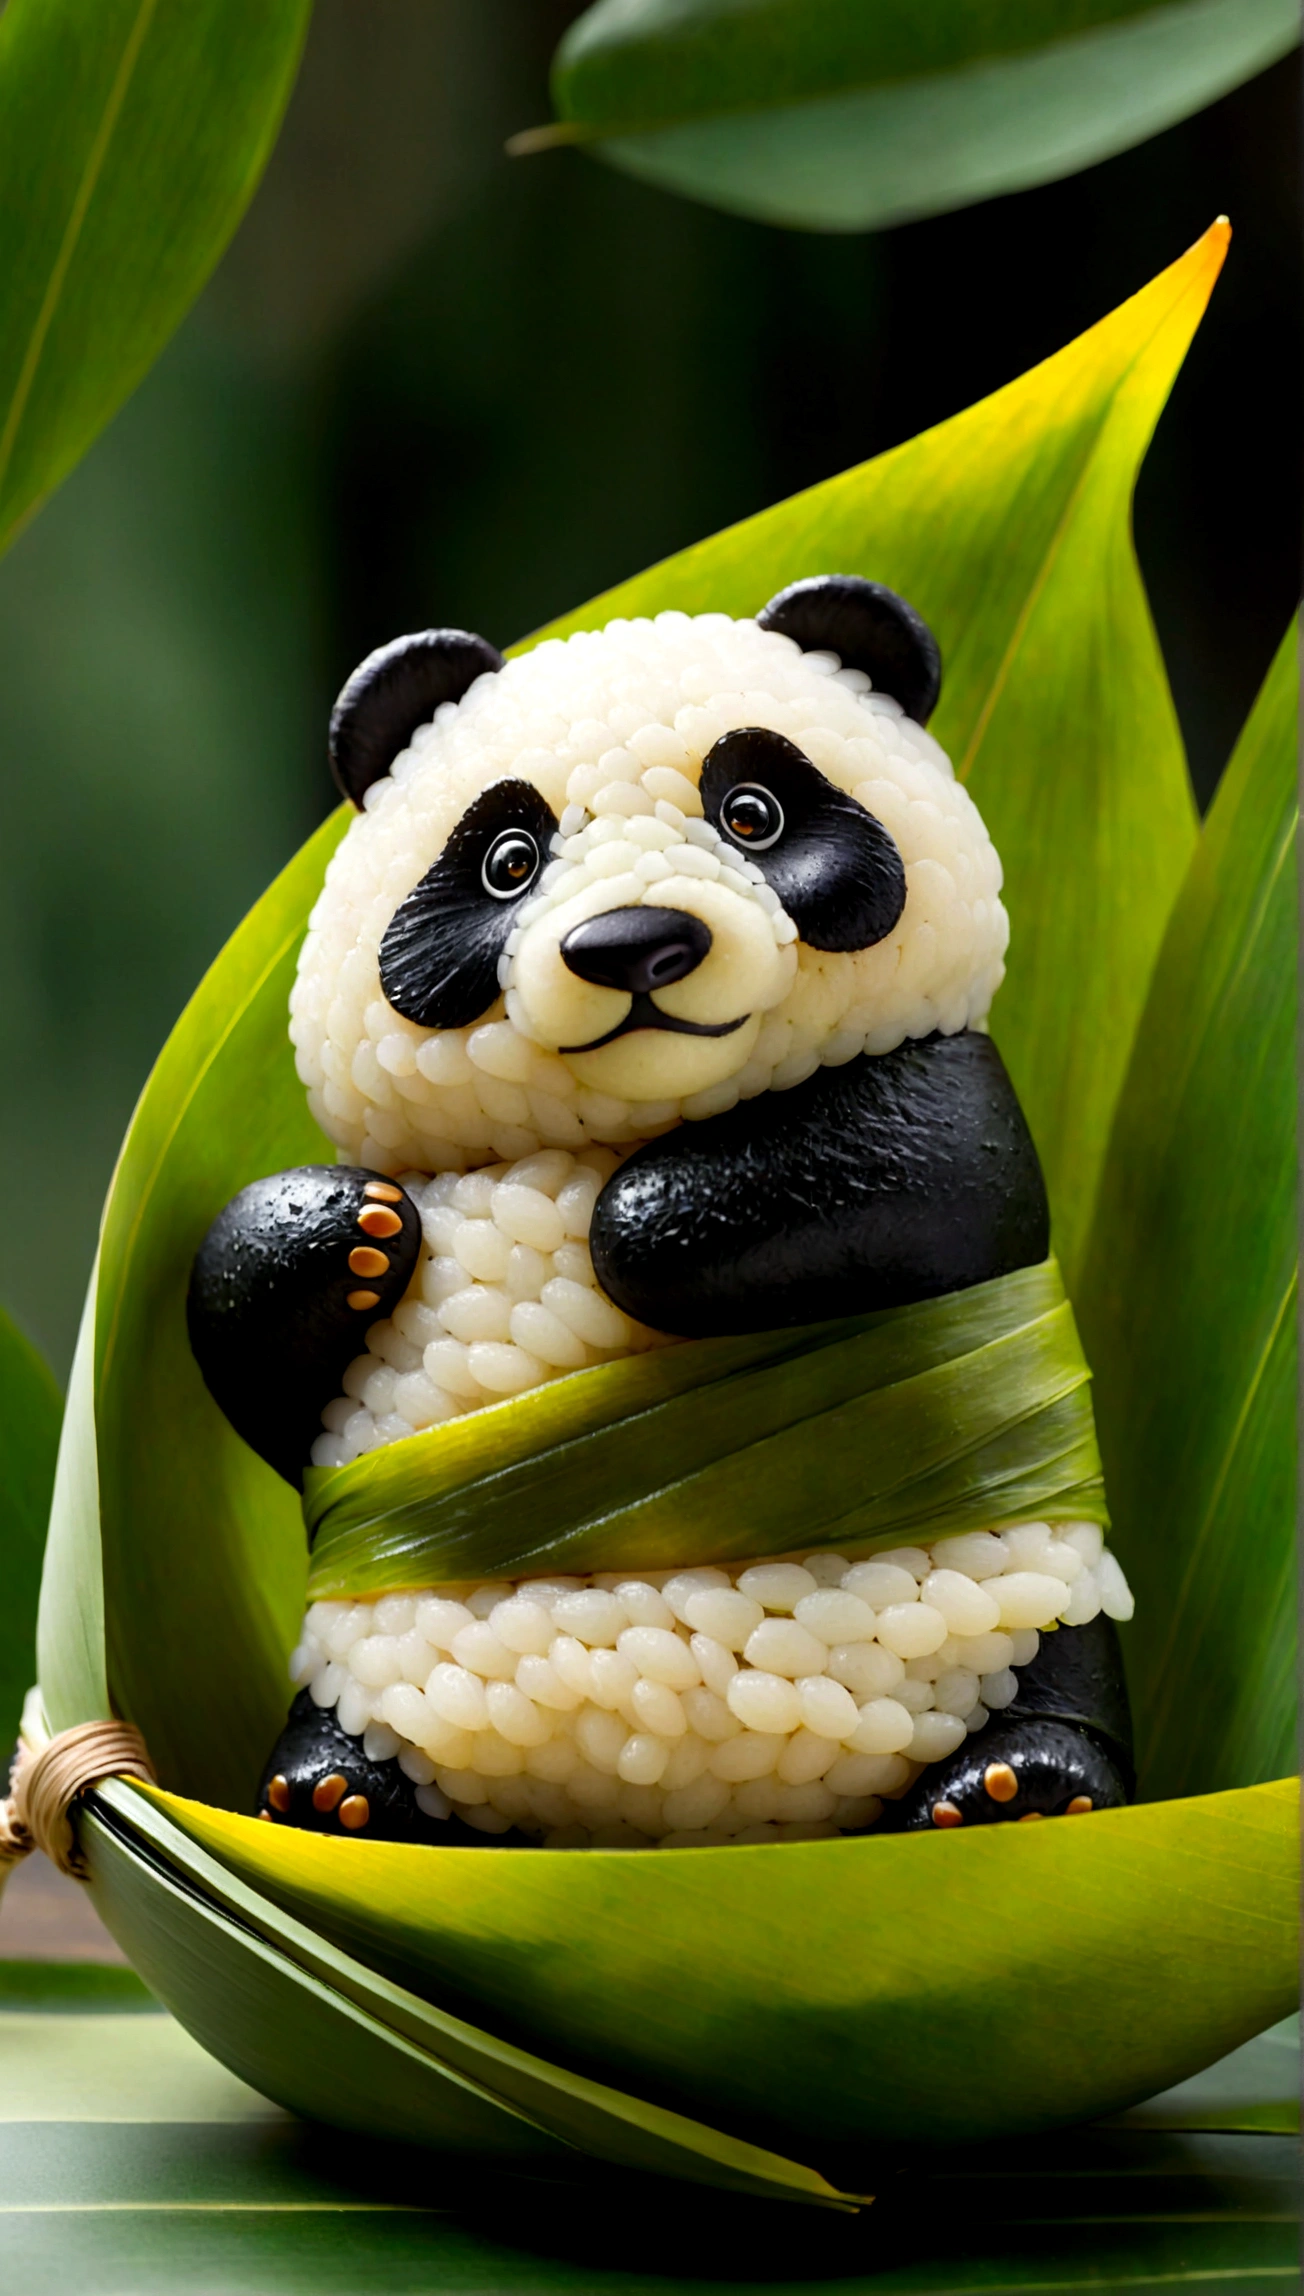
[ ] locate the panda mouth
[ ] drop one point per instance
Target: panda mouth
(644, 1014)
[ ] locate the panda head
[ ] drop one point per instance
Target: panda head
(629, 878)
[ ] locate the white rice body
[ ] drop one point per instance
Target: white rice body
(612, 726)
(759, 1702)
(775, 1700)
(503, 1298)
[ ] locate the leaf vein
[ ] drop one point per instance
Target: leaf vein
(72, 232)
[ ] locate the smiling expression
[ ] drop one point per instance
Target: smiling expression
(629, 878)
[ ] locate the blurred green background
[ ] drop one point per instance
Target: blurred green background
(432, 384)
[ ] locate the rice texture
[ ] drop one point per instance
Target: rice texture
(611, 727)
(502, 1299)
(777, 1700)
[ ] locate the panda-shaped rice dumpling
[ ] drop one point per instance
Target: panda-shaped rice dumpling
(646, 1001)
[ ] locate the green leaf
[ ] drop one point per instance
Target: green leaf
(954, 1414)
(719, 1991)
(129, 2161)
(73, 1988)
(1195, 1364)
(1008, 527)
(30, 1411)
(318, 2031)
(843, 115)
(204, 1562)
(193, 1528)
(1256, 2087)
(132, 135)
(728, 1982)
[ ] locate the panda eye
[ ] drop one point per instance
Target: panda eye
(753, 816)
(836, 870)
(510, 865)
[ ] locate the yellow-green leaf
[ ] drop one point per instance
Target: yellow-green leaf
(1189, 1301)
(203, 1550)
(1008, 527)
(320, 2031)
(842, 115)
(132, 135)
(832, 1998)
(962, 1413)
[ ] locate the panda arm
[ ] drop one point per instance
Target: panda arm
(284, 1288)
(896, 1177)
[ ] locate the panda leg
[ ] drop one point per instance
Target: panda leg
(1063, 1748)
(285, 1286)
(322, 1781)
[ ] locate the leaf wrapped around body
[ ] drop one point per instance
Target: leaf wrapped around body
(517, 2003)
(961, 1413)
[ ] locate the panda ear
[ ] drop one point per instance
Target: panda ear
(395, 690)
(869, 628)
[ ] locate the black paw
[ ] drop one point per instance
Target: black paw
(1025, 1766)
(321, 1780)
(284, 1288)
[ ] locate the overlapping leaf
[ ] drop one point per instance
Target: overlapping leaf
(132, 135)
(1008, 527)
(203, 1553)
(1189, 1300)
(952, 1414)
(729, 1982)
(841, 115)
(129, 2159)
(324, 2033)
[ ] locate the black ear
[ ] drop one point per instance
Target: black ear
(868, 628)
(395, 690)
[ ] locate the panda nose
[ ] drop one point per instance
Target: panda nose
(636, 949)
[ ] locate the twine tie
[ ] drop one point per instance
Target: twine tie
(44, 1786)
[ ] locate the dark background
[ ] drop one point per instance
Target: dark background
(429, 383)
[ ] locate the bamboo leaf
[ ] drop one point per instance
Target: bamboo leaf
(203, 1551)
(30, 1411)
(268, 1996)
(1008, 528)
(132, 135)
(131, 2161)
(843, 115)
(954, 1414)
(1199, 1190)
(729, 1982)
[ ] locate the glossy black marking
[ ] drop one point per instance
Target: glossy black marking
(268, 1307)
(869, 628)
(1054, 1763)
(395, 690)
(894, 1178)
(834, 867)
(312, 1745)
(1077, 1676)
(439, 957)
(1068, 1733)
(638, 949)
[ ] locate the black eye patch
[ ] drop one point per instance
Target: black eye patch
(439, 957)
(834, 867)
